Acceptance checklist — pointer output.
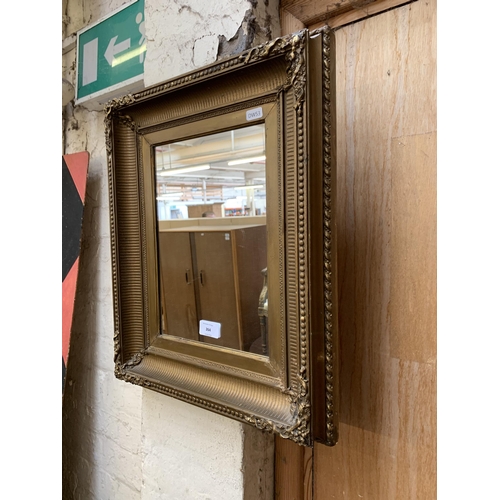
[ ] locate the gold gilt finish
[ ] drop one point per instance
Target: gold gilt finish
(293, 390)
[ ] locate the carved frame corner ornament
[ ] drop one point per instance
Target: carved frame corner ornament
(294, 391)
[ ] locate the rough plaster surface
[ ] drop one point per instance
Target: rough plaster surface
(190, 38)
(120, 441)
(101, 416)
(183, 437)
(195, 29)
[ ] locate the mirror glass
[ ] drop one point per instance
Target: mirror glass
(211, 211)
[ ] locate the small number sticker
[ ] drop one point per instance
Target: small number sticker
(210, 329)
(253, 114)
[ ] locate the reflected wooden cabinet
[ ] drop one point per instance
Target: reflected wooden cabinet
(213, 273)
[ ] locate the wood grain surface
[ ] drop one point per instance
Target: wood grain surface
(336, 13)
(386, 126)
(310, 12)
(289, 23)
(293, 467)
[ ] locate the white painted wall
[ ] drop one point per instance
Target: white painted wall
(121, 441)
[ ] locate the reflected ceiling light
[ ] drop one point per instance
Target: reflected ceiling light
(250, 186)
(166, 196)
(125, 57)
(246, 160)
(182, 170)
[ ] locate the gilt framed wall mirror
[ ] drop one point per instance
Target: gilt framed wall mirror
(222, 210)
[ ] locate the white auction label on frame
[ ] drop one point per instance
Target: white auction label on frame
(210, 329)
(253, 114)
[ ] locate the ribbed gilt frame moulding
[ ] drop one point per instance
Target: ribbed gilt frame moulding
(294, 390)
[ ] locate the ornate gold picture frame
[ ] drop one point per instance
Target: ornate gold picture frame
(288, 383)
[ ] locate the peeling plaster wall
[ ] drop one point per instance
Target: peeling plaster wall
(192, 35)
(121, 441)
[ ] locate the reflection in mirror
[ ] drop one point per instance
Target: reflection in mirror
(211, 209)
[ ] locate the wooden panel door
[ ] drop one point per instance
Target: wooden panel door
(386, 213)
(217, 285)
(177, 281)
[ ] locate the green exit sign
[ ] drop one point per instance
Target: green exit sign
(110, 55)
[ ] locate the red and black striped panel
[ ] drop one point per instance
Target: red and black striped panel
(74, 181)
